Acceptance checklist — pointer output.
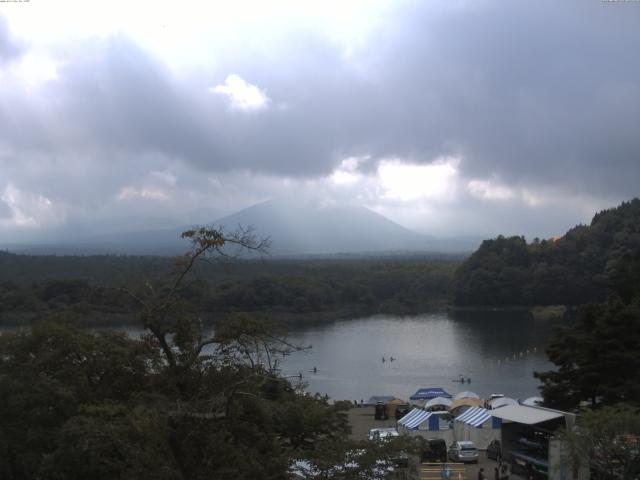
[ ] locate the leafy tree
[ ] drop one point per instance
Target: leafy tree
(608, 440)
(571, 270)
(183, 402)
(597, 358)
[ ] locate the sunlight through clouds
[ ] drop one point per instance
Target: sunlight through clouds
(409, 182)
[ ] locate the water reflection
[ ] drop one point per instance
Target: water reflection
(497, 351)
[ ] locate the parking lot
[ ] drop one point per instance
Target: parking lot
(362, 420)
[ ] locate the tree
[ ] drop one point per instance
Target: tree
(608, 439)
(597, 358)
(182, 402)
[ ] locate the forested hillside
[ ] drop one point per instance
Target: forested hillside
(94, 287)
(571, 270)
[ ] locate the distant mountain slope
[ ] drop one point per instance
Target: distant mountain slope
(295, 227)
(307, 228)
(572, 270)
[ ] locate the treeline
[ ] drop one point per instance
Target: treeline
(100, 287)
(572, 270)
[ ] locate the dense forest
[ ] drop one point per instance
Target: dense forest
(81, 405)
(98, 287)
(571, 270)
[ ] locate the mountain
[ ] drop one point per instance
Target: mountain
(308, 227)
(295, 227)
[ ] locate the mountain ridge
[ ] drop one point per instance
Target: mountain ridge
(296, 227)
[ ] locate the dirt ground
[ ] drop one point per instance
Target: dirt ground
(362, 420)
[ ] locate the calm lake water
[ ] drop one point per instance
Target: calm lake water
(498, 351)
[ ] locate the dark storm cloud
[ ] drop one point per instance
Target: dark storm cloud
(531, 91)
(527, 92)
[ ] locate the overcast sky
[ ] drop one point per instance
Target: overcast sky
(450, 117)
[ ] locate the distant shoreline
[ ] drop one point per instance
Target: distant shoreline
(537, 312)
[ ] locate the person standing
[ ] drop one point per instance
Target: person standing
(504, 475)
(481, 475)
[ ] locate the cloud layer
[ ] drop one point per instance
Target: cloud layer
(461, 117)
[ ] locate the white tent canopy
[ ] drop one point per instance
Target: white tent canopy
(466, 394)
(502, 401)
(532, 401)
(438, 401)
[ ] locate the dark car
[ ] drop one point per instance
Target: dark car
(435, 450)
(401, 410)
(494, 450)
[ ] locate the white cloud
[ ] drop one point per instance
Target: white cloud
(408, 182)
(347, 172)
(28, 209)
(148, 193)
(242, 94)
(31, 70)
(490, 190)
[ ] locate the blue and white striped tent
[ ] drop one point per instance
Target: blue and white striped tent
(474, 416)
(418, 418)
(419, 422)
(478, 425)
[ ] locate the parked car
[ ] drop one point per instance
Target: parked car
(401, 410)
(463, 451)
(382, 434)
(494, 450)
(434, 450)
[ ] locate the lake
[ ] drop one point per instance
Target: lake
(498, 351)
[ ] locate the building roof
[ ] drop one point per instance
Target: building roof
(414, 418)
(527, 415)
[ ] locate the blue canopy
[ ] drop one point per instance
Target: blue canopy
(428, 393)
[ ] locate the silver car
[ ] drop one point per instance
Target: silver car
(462, 451)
